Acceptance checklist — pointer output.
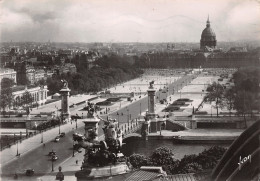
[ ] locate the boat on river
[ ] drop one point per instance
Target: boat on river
(203, 139)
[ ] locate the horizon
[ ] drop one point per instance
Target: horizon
(118, 21)
(31, 41)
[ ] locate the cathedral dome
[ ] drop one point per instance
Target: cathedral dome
(208, 37)
(208, 32)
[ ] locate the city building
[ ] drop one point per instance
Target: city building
(38, 93)
(68, 67)
(7, 73)
(39, 74)
(208, 38)
(48, 74)
(30, 74)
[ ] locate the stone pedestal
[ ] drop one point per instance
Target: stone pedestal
(160, 122)
(99, 172)
(91, 124)
(193, 122)
(65, 112)
(146, 129)
(154, 125)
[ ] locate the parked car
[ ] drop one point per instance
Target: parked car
(57, 139)
(29, 172)
(51, 153)
(62, 134)
(54, 157)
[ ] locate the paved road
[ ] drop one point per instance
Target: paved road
(38, 158)
(133, 110)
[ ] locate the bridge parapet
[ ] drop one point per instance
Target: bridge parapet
(128, 130)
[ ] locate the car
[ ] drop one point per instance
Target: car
(80, 150)
(54, 157)
(51, 153)
(73, 117)
(57, 139)
(62, 134)
(29, 172)
(38, 115)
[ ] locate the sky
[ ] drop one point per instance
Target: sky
(127, 20)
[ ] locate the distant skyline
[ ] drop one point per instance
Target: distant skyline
(127, 20)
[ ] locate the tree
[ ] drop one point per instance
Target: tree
(244, 102)
(191, 168)
(6, 97)
(229, 99)
(7, 83)
(162, 156)
(208, 159)
(138, 160)
(26, 99)
(215, 94)
(186, 160)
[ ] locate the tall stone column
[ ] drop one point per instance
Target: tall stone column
(65, 91)
(151, 101)
(151, 116)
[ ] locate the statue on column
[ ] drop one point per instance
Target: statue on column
(65, 83)
(151, 84)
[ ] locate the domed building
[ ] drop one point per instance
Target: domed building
(208, 38)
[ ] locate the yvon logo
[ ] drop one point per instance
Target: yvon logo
(244, 160)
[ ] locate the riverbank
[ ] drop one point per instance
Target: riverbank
(199, 135)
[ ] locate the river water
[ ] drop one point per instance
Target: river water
(147, 147)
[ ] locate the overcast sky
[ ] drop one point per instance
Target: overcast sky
(128, 20)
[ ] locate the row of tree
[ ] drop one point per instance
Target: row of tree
(164, 156)
(242, 97)
(106, 71)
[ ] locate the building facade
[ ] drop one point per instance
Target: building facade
(39, 94)
(39, 75)
(7, 73)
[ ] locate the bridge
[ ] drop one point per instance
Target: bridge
(133, 129)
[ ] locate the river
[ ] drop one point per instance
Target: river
(147, 147)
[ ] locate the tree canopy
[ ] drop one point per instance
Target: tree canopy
(215, 95)
(106, 71)
(164, 156)
(6, 96)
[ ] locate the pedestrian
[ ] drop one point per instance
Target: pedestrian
(76, 161)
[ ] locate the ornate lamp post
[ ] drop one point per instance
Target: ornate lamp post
(52, 160)
(128, 116)
(59, 123)
(17, 154)
(73, 148)
(42, 136)
(117, 117)
(140, 108)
